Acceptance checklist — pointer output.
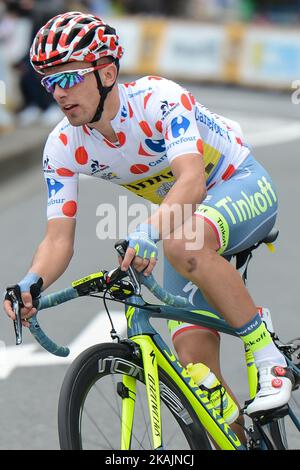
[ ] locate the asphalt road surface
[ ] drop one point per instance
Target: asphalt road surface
(30, 379)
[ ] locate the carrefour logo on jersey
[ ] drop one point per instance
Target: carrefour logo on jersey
(53, 187)
(211, 124)
(182, 140)
(157, 162)
(179, 126)
(52, 202)
(157, 146)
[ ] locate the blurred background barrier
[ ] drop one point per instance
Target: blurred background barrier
(234, 53)
(246, 43)
(270, 57)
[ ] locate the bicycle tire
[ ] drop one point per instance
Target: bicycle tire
(84, 373)
(278, 433)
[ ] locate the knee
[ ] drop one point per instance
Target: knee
(198, 345)
(174, 250)
(187, 261)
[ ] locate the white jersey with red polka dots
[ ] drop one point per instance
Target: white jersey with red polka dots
(157, 121)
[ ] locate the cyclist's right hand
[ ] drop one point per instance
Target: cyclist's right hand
(26, 290)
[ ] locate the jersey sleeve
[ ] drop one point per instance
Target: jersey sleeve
(176, 114)
(61, 181)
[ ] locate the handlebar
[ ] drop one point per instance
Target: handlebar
(57, 298)
(49, 301)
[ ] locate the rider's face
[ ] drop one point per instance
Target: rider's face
(78, 103)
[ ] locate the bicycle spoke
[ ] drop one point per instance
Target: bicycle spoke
(98, 429)
(97, 388)
(95, 415)
(166, 444)
(117, 413)
(116, 396)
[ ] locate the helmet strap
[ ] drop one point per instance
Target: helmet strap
(103, 92)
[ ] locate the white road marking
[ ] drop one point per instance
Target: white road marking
(275, 136)
(29, 355)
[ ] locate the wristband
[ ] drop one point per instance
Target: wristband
(150, 230)
(27, 281)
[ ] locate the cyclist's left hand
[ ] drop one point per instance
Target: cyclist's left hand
(142, 250)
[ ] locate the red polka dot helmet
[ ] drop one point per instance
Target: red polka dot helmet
(73, 36)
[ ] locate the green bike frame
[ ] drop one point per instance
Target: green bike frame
(156, 354)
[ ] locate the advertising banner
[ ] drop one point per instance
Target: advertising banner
(270, 57)
(193, 51)
(130, 33)
(232, 53)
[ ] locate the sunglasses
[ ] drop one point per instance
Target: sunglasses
(68, 78)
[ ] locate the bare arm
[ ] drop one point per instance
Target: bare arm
(56, 250)
(50, 260)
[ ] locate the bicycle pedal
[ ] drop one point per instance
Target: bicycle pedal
(265, 417)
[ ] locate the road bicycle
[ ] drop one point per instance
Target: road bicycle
(133, 393)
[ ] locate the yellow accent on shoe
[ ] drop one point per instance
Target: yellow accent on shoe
(271, 247)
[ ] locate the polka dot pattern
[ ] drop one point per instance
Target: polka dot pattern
(146, 99)
(130, 110)
(228, 173)
(63, 138)
(146, 128)
(193, 101)
(127, 85)
(143, 152)
(64, 172)
(156, 121)
(121, 138)
(154, 77)
(186, 102)
(86, 130)
(81, 156)
(200, 146)
(69, 208)
(139, 169)
(158, 126)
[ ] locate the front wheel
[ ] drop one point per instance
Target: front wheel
(90, 403)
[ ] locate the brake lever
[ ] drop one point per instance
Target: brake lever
(121, 247)
(17, 321)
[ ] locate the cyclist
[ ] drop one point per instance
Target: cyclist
(153, 138)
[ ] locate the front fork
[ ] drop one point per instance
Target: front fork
(128, 395)
(153, 396)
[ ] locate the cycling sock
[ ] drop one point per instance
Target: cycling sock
(258, 339)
